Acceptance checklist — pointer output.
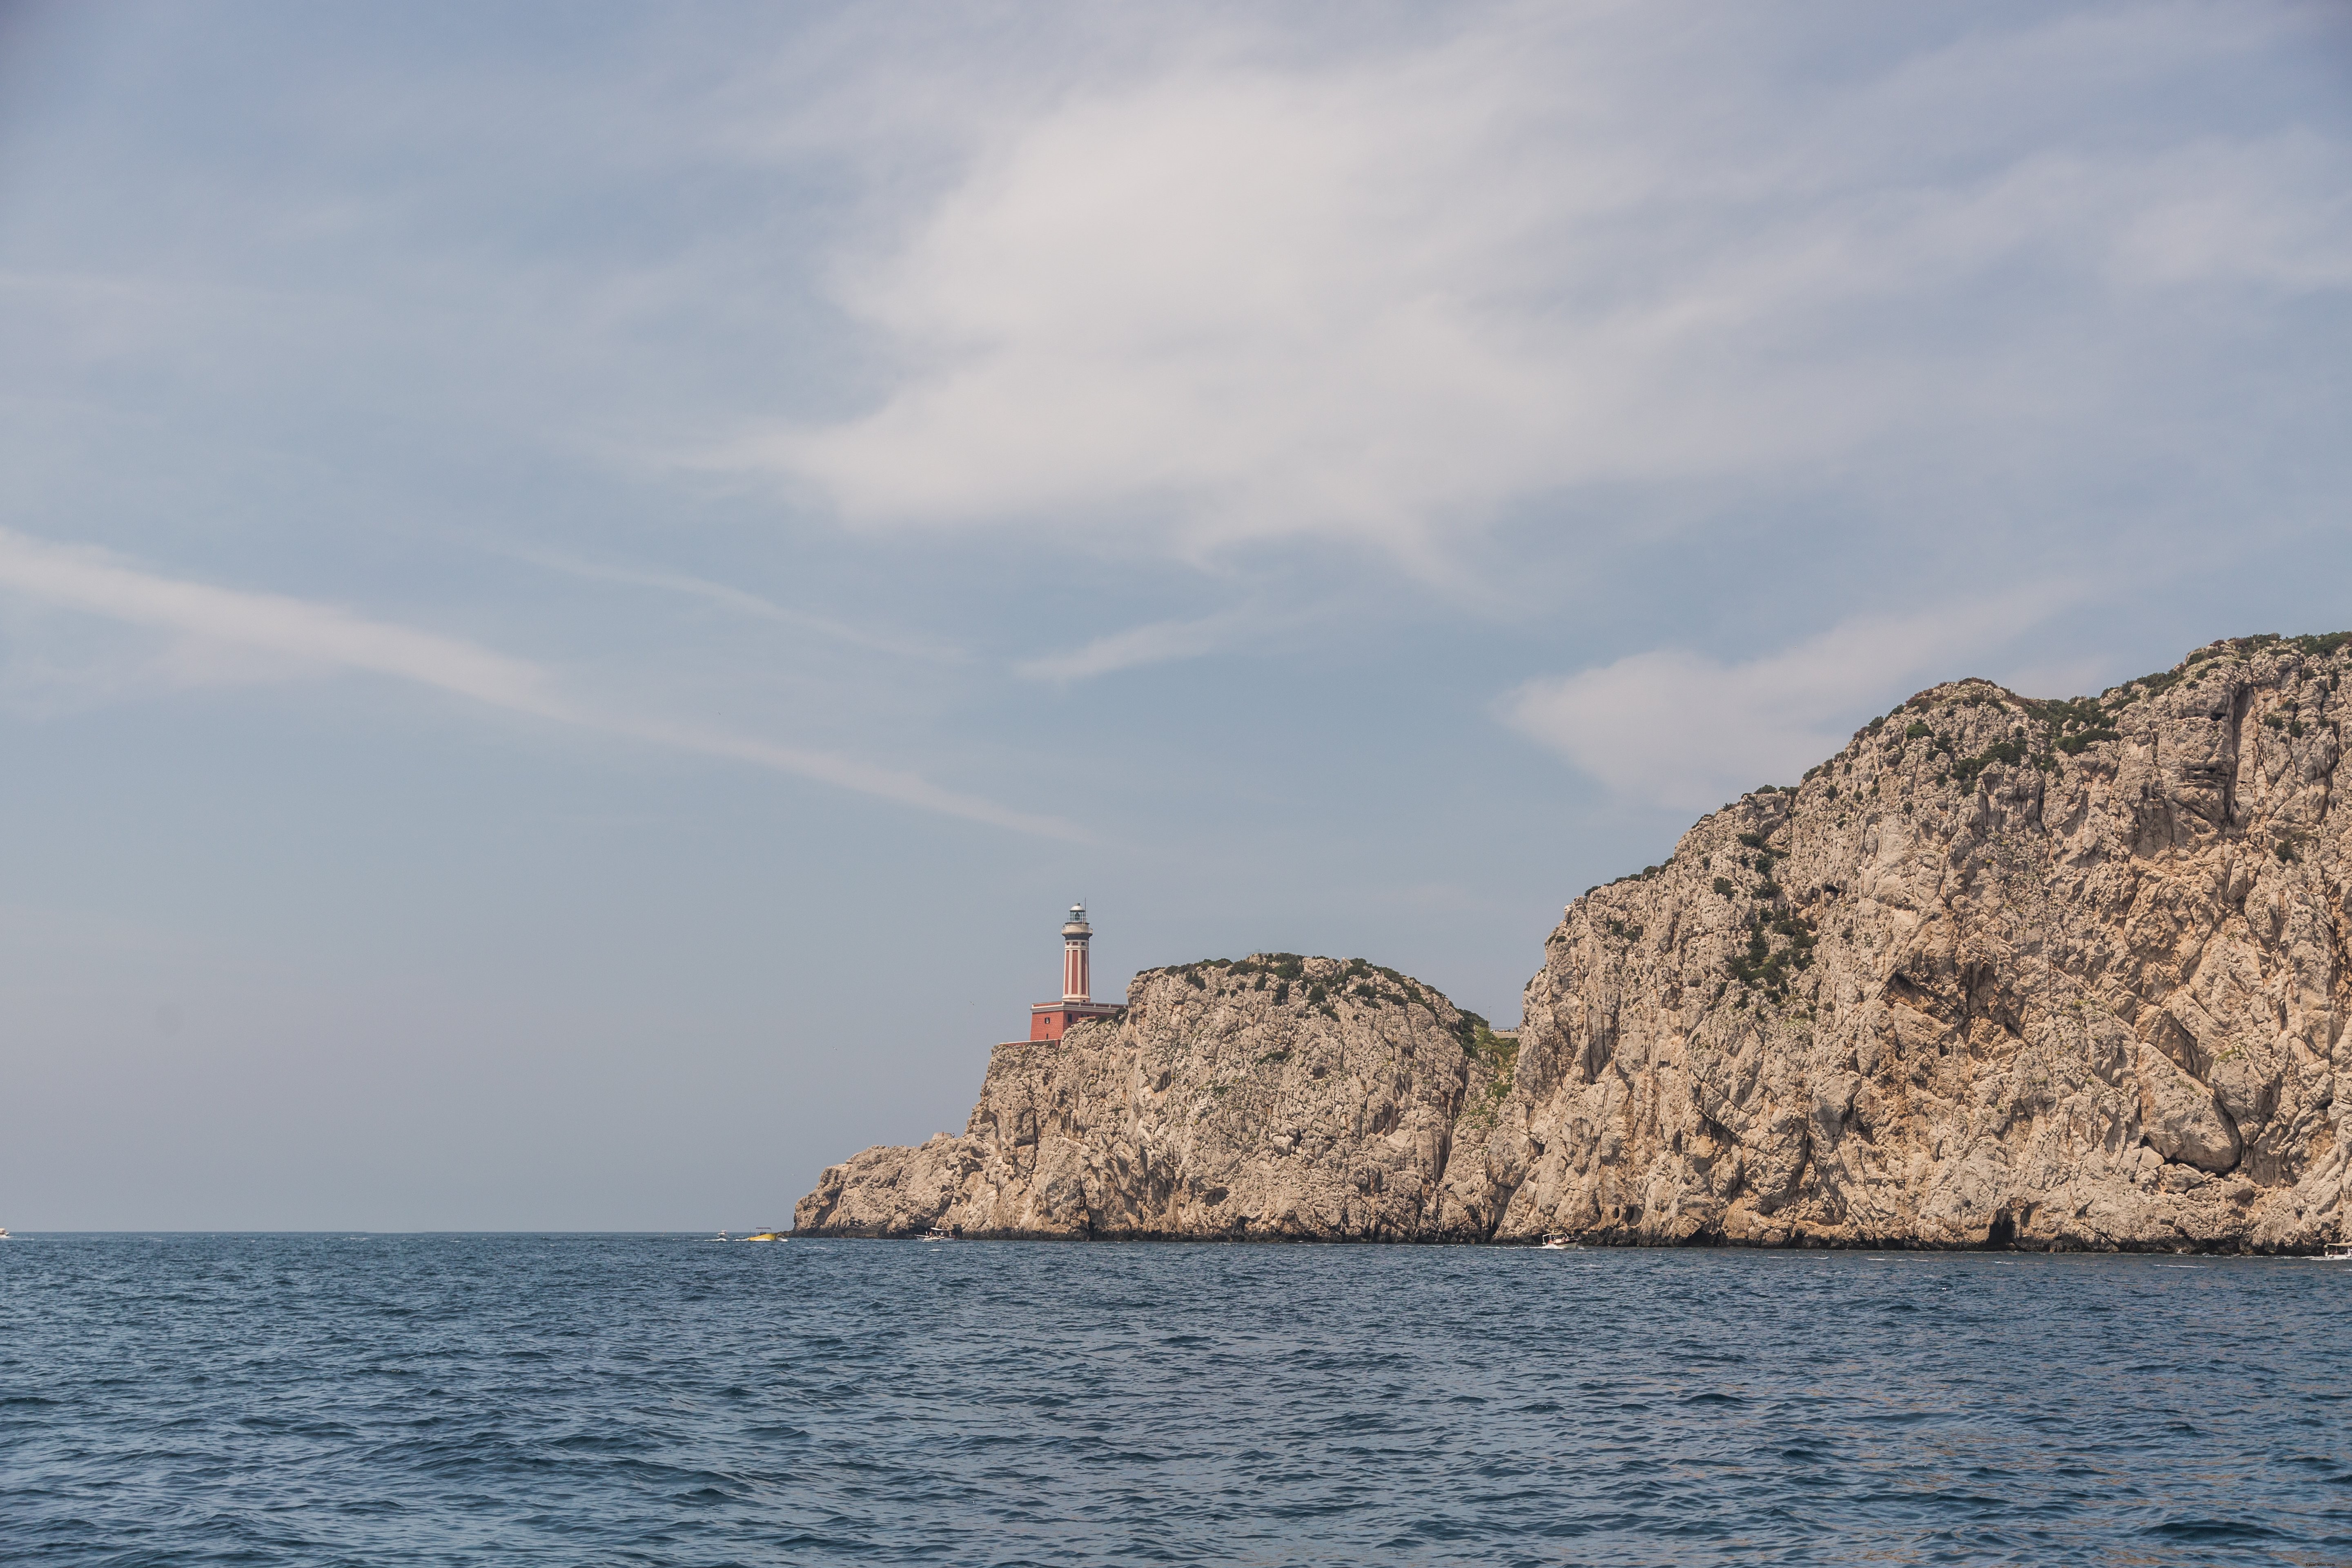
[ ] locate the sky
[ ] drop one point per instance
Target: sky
(580, 585)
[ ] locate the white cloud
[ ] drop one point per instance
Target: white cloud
(826, 768)
(1382, 296)
(2275, 213)
(230, 627)
(231, 635)
(1681, 730)
(1161, 642)
(744, 603)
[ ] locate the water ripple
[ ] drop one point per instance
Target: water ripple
(424, 1400)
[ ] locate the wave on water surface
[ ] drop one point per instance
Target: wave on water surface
(269, 1400)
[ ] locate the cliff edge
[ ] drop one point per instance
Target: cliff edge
(1276, 1095)
(2064, 974)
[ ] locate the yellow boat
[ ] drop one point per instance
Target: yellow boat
(769, 1235)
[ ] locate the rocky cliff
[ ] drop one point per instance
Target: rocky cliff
(2039, 973)
(1278, 1096)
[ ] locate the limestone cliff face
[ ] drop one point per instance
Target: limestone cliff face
(2059, 974)
(1275, 1097)
(2039, 973)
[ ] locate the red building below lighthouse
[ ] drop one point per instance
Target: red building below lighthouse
(1047, 1020)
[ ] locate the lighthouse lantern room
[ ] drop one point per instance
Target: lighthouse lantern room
(1048, 1020)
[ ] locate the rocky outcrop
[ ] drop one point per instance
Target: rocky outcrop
(2006, 972)
(1278, 1096)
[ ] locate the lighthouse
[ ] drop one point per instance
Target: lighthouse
(1075, 934)
(1047, 1020)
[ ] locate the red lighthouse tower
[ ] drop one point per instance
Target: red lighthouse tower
(1047, 1020)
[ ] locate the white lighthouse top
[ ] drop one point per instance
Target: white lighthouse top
(1077, 924)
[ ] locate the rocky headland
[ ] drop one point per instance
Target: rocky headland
(2053, 974)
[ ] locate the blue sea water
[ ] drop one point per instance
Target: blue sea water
(567, 1399)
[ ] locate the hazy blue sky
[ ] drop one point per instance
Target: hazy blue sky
(580, 584)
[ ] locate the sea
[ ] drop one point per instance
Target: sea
(331, 1399)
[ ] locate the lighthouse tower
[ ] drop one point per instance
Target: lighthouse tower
(1075, 934)
(1047, 1020)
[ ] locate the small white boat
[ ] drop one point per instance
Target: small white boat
(1557, 1241)
(936, 1233)
(2336, 1251)
(3, 1234)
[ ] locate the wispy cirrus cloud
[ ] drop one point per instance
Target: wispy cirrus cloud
(236, 635)
(743, 603)
(289, 636)
(1161, 642)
